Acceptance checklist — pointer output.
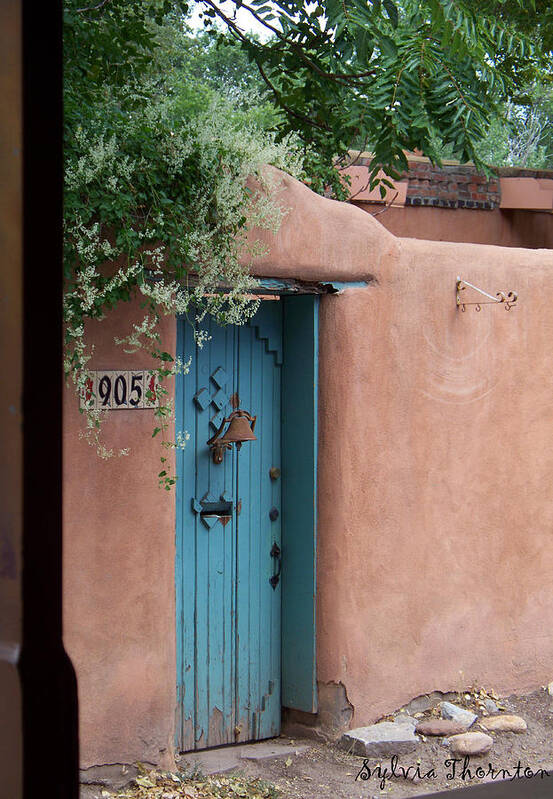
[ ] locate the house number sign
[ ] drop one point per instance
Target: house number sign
(121, 390)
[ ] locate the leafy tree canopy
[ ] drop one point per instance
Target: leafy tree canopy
(394, 76)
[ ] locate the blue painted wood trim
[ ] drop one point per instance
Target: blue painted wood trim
(285, 287)
(299, 504)
(273, 283)
(179, 501)
(340, 285)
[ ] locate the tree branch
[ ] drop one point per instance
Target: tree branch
(92, 8)
(287, 108)
(343, 77)
(386, 206)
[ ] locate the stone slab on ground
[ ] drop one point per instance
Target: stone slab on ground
(269, 750)
(405, 718)
(210, 761)
(384, 739)
(227, 758)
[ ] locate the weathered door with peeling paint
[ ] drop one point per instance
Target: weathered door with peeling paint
(228, 521)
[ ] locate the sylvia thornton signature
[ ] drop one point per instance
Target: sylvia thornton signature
(456, 768)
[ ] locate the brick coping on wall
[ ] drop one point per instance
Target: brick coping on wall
(455, 185)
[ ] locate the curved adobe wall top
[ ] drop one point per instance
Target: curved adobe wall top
(321, 239)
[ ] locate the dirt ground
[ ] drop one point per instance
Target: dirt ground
(326, 772)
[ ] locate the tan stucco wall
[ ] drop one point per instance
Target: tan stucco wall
(435, 461)
(435, 504)
(436, 472)
(119, 555)
(506, 228)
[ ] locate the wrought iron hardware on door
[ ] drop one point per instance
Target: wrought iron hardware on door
(212, 511)
(276, 554)
(241, 425)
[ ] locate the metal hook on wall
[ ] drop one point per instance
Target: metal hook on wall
(508, 298)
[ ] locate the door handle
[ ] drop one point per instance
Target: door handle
(276, 554)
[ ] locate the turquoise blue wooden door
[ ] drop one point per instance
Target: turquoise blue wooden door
(228, 521)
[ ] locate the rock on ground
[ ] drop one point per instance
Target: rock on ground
(470, 743)
(459, 714)
(504, 723)
(380, 740)
(491, 706)
(427, 701)
(440, 727)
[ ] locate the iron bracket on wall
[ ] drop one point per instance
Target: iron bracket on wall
(508, 298)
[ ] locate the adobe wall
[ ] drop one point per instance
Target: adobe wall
(454, 202)
(507, 228)
(435, 462)
(436, 510)
(119, 556)
(435, 504)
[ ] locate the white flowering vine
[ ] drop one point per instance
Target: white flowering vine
(158, 207)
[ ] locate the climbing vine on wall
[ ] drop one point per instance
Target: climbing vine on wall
(157, 198)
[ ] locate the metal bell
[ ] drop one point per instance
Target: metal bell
(238, 430)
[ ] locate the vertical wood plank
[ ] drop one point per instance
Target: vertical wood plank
(201, 574)
(186, 542)
(269, 531)
(229, 567)
(247, 640)
(299, 487)
(273, 710)
(214, 576)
